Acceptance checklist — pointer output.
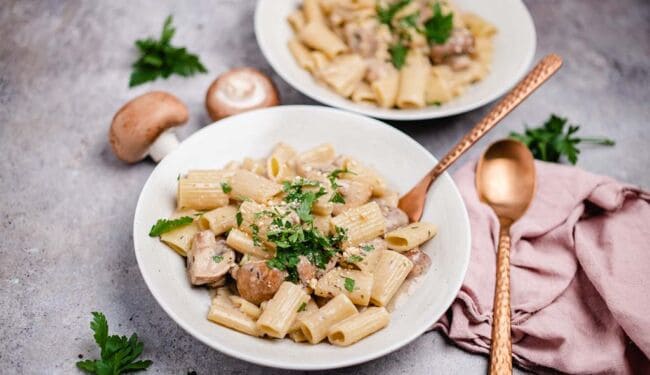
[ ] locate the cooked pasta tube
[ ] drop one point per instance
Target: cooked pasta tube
(413, 82)
(303, 309)
(241, 242)
(344, 73)
(358, 326)
(301, 54)
(322, 223)
(246, 307)
(319, 155)
(363, 94)
(245, 184)
(279, 165)
(356, 285)
(410, 236)
(281, 310)
(296, 20)
(364, 174)
(318, 36)
(220, 220)
(223, 312)
(257, 166)
(390, 273)
(200, 195)
(386, 89)
(313, 11)
(315, 325)
(180, 239)
(361, 223)
(365, 256)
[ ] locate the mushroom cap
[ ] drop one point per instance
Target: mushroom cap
(141, 120)
(240, 90)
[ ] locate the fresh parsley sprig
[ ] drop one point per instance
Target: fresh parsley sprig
(304, 199)
(332, 177)
(166, 225)
(549, 141)
(438, 28)
(387, 13)
(158, 58)
(118, 354)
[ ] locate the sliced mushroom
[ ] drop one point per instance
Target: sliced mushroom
(460, 42)
(141, 127)
(257, 282)
(306, 270)
(355, 194)
(395, 218)
(421, 262)
(208, 259)
(240, 90)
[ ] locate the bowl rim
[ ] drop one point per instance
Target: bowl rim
(426, 113)
(279, 363)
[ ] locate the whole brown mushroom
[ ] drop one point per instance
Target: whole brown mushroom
(141, 126)
(240, 90)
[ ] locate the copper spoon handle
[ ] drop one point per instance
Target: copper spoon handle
(501, 349)
(413, 202)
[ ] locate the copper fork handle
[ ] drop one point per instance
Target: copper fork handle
(542, 71)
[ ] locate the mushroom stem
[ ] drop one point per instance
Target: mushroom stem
(163, 145)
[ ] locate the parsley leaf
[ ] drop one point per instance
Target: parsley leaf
(255, 230)
(225, 187)
(337, 198)
(165, 225)
(367, 247)
(549, 141)
(303, 307)
(354, 259)
(349, 284)
(304, 199)
(332, 176)
(386, 14)
(158, 58)
(118, 354)
(438, 28)
(239, 218)
(217, 258)
(398, 53)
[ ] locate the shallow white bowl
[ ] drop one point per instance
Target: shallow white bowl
(396, 156)
(513, 53)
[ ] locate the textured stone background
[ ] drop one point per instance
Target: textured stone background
(67, 204)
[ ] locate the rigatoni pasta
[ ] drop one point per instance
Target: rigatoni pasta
(279, 236)
(385, 53)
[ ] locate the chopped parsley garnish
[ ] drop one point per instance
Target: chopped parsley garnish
(337, 197)
(410, 20)
(438, 28)
(386, 14)
(549, 141)
(367, 247)
(354, 259)
(304, 199)
(255, 230)
(349, 284)
(398, 52)
(217, 258)
(158, 58)
(225, 187)
(239, 218)
(165, 225)
(303, 307)
(118, 354)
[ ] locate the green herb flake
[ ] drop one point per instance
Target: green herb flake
(367, 247)
(439, 27)
(349, 284)
(165, 225)
(225, 187)
(118, 353)
(239, 218)
(158, 58)
(398, 52)
(303, 307)
(217, 258)
(354, 259)
(386, 14)
(549, 141)
(255, 230)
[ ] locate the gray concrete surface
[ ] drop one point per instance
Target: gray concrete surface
(66, 203)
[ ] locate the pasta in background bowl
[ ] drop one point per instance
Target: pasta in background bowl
(255, 134)
(328, 59)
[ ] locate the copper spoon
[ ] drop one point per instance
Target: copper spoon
(505, 180)
(413, 202)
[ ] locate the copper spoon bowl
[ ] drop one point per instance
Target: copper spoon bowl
(413, 202)
(505, 180)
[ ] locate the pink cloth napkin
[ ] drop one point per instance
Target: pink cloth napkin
(580, 275)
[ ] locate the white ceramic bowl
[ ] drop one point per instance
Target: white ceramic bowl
(513, 53)
(396, 156)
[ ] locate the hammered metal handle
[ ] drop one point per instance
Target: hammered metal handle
(501, 350)
(413, 202)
